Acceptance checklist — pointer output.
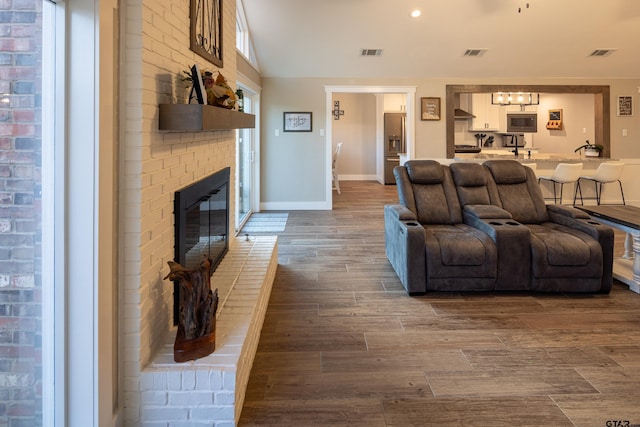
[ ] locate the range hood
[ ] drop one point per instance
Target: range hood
(459, 113)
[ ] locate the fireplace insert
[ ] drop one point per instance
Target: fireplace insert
(201, 213)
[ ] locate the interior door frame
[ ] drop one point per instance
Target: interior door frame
(408, 91)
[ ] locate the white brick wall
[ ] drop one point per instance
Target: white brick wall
(154, 165)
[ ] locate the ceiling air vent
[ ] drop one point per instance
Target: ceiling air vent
(601, 52)
(371, 52)
(474, 52)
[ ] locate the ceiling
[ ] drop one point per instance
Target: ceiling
(548, 39)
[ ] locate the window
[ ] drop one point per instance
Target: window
(243, 39)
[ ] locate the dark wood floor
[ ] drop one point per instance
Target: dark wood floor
(343, 344)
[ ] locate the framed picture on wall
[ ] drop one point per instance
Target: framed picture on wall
(430, 108)
(625, 106)
(297, 122)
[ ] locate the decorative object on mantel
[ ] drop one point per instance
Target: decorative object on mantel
(590, 150)
(206, 29)
(218, 92)
(240, 102)
(195, 77)
(196, 336)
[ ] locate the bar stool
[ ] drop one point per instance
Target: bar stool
(565, 173)
(334, 167)
(607, 172)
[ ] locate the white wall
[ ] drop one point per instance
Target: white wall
(578, 123)
(292, 164)
(356, 129)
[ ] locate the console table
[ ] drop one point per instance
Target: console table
(625, 218)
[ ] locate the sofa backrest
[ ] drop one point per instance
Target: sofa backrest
(426, 188)
(471, 181)
(517, 190)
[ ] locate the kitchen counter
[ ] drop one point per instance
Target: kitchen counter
(524, 158)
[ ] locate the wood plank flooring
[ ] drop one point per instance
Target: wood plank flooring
(343, 344)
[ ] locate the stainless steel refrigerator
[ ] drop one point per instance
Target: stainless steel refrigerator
(394, 143)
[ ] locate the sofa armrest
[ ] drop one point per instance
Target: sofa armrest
(602, 233)
(513, 241)
(486, 212)
(569, 211)
(400, 213)
(405, 247)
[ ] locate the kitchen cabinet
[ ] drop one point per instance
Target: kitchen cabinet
(487, 115)
(395, 102)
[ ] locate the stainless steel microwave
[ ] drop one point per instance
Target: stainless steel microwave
(522, 122)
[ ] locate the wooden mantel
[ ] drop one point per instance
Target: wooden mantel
(199, 117)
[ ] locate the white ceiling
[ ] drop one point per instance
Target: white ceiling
(549, 39)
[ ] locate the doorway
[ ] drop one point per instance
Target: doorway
(409, 94)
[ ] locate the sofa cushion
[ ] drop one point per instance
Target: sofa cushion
(517, 191)
(431, 204)
(505, 172)
(460, 248)
(462, 252)
(425, 172)
(559, 251)
(471, 183)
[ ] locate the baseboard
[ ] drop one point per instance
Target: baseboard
(357, 177)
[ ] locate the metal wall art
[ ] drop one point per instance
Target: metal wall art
(206, 29)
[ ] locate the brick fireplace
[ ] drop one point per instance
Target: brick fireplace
(155, 164)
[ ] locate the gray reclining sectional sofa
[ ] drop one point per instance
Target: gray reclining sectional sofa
(486, 227)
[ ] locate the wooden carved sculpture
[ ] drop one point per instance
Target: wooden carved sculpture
(196, 336)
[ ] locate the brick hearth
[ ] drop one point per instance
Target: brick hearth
(210, 391)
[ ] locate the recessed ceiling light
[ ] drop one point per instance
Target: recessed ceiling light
(416, 13)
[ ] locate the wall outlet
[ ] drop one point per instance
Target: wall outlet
(624, 132)
(277, 132)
